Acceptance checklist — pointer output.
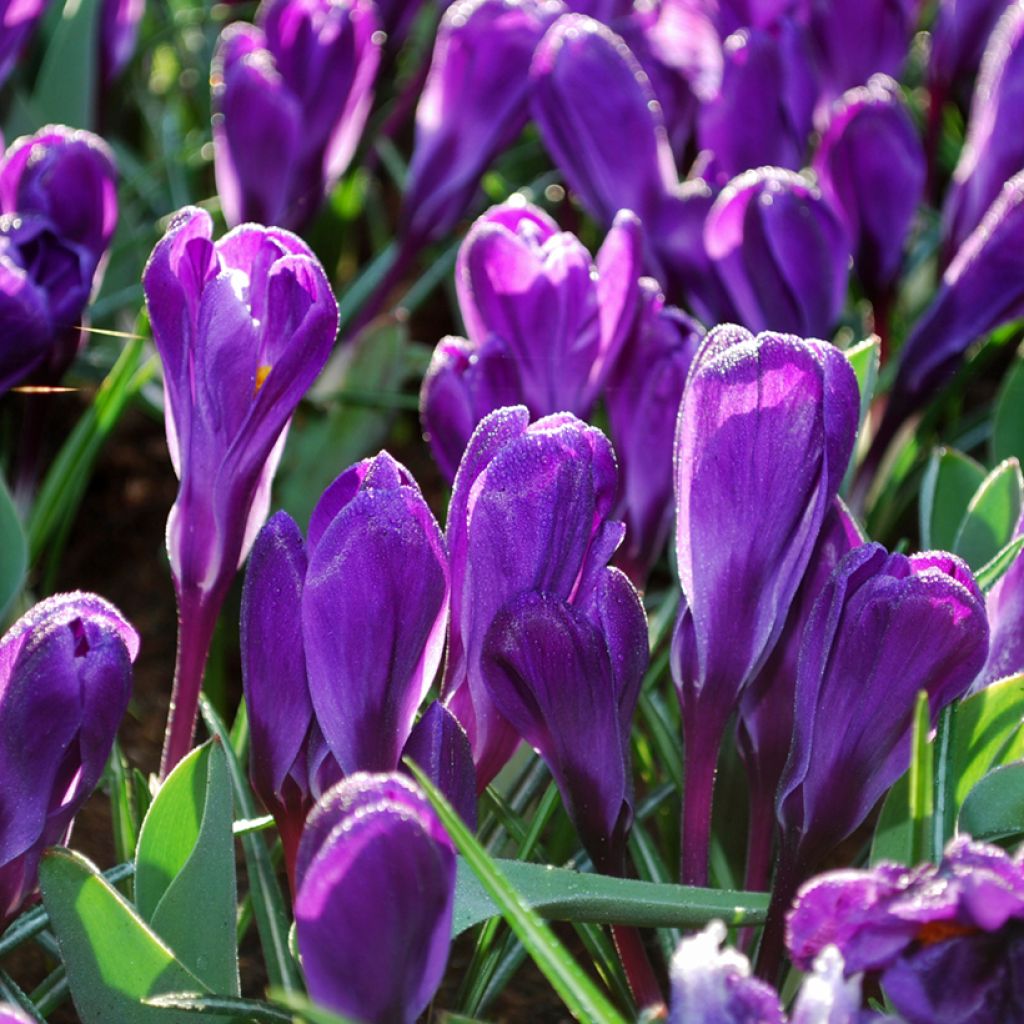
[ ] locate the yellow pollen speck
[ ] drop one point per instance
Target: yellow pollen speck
(262, 373)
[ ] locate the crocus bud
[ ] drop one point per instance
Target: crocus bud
(642, 398)
(58, 211)
(994, 149)
(528, 512)
(959, 35)
(945, 940)
(440, 746)
(781, 252)
(119, 30)
(243, 326)
(291, 96)
(473, 105)
(765, 726)
(65, 680)
(376, 891)
(765, 433)
(855, 39)
(567, 677)
(884, 628)
(762, 113)
(12, 1015)
(18, 18)
(561, 315)
(871, 168)
(1005, 606)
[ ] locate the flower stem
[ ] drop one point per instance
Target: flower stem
(791, 873)
(637, 965)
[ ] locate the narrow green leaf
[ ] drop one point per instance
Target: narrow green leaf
(583, 999)
(307, 1011)
(944, 791)
(999, 565)
(13, 551)
(123, 805)
(989, 731)
(272, 921)
(994, 808)
(949, 483)
(11, 992)
(204, 1006)
(1008, 420)
(991, 515)
(865, 358)
(113, 960)
(920, 778)
(66, 88)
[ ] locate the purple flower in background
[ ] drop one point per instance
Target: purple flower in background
(780, 251)
(871, 168)
(119, 31)
(1005, 606)
(18, 18)
(243, 326)
(12, 1015)
(65, 680)
(642, 398)
(994, 148)
(762, 113)
(291, 96)
(58, 211)
(373, 908)
(473, 105)
(528, 513)
(959, 36)
(765, 433)
(567, 677)
(340, 642)
(765, 725)
(947, 940)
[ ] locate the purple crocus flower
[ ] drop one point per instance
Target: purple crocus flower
(119, 31)
(528, 513)
(65, 680)
(884, 628)
(871, 168)
(765, 726)
(373, 909)
(291, 96)
(340, 642)
(780, 251)
(947, 939)
(473, 105)
(1005, 606)
(12, 1015)
(765, 433)
(18, 18)
(642, 398)
(243, 326)
(58, 211)
(959, 36)
(994, 149)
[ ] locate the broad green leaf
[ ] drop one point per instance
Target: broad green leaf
(113, 959)
(13, 551)
(563, 895)
(991, 515)
(988, 730)
(185, 868)
(994, 808)
(950, 482)
(580, 995)
(66, 88)
(999, 565)
(1008, 420)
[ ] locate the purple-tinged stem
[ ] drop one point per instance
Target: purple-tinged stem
(197, 617)
(702, 738)
(790, 875)
(637, 965)
(760, 834)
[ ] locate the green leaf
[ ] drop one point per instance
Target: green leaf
(305, 1010)
(865, 357)
(950, 482)
(185, 868)
(564, 895)
(204, 1006)
(999, 565)
(13, 551)
(994, 808)
(113, 960)
(991, 515)
(582, 997)
(1008, 420)
(66, 88)
(988, 730)
(944, 785)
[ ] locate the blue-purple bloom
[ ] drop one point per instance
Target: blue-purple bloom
(243, 326)
(58, 211)
(947, 940)
(65, 680)
(119, 31)
(959, 35)
(1005, 606)
(291, 96)
(18, 18)
(373, 906)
